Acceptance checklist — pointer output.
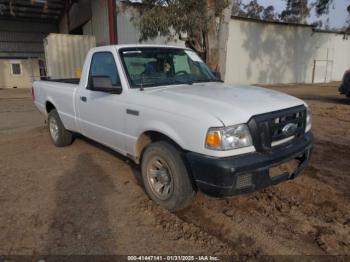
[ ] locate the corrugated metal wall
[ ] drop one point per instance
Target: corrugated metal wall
(99, 21)
(98, 25)
(23, 38)
(65, 54)
(270, 53)
(127, 32)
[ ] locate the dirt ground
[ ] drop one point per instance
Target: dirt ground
(85, 199)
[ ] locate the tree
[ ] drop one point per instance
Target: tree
(296, 11)
(203, 24)
(198, 22)
(269, 13)
(254, 10)
(322, 7)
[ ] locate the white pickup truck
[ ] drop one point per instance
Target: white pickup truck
(162, 107)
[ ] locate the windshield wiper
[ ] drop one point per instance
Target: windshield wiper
(183, 82)
(208, 81)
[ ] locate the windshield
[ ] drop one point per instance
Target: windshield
(146, 67)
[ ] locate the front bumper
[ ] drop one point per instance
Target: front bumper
(220, 177)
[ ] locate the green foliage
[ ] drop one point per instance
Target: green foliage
(269, 13)
(322, 6)
(296, 11)
(198, 19)
(191, 17)
(254, 10)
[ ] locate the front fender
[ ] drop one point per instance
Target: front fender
(165, 129)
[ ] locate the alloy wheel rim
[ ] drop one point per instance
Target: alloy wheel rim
(159, 178)
(53, 128)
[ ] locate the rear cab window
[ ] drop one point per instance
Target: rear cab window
(103, 64)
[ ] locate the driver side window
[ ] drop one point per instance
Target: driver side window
(103, 64)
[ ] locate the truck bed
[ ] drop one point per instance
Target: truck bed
(61, 93)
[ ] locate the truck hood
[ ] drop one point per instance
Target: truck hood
(231, 104)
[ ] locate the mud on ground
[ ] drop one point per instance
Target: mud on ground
(85, 199)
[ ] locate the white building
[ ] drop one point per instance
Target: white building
(273, 52)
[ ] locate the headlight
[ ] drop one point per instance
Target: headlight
(227, 138)
(308, 120)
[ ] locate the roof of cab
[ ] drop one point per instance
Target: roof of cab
(136, 46)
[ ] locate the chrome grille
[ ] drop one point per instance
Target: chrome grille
(268, 128)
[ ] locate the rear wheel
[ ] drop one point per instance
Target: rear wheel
(165, 176)
(60, 136)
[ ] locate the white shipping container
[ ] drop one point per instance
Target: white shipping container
(65, 54)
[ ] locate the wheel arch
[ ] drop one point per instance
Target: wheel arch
(151, 136)
(49, 106)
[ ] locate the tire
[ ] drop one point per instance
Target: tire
(165, 176)
(59, 135)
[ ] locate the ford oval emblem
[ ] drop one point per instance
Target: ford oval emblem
(289, 129)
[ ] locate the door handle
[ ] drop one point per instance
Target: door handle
(132, 112)
(83, 98)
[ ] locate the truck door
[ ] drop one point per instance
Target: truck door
(102, 114)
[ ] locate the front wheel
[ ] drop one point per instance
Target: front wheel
(165, 176)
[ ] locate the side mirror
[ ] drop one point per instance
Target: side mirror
(104, 84)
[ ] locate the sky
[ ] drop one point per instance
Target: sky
(337, 13)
